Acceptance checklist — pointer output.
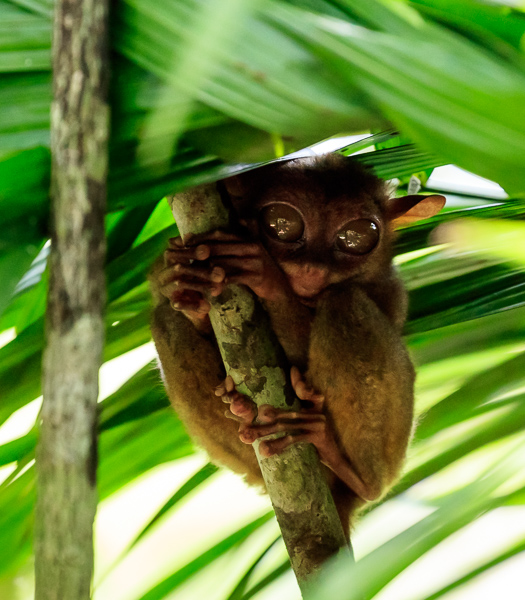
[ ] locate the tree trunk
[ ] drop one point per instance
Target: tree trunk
(67, 449)
(294, 480)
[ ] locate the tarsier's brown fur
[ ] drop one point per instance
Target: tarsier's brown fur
(338, 317)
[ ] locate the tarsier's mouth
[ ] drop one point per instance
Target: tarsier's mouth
(311, 301)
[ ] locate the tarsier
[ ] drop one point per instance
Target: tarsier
(315, 246)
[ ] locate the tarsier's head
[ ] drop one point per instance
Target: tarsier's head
(325, 219)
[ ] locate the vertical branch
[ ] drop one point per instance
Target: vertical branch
(67, 454)
(294, 480)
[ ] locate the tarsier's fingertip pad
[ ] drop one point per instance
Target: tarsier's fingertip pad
(264, 450)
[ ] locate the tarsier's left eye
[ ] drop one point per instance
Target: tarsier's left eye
(358, 237)
(282, 222)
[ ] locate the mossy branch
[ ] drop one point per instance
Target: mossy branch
(294, 480)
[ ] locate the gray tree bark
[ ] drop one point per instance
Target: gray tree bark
(294, 480)
(67, 449)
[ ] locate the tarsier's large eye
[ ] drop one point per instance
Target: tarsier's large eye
(282, 222)
(358, 237)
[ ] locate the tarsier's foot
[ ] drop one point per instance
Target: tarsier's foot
(257, 423)
(305, 425)
(241, 408)
(308, 424)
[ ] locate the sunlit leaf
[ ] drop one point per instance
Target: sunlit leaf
(516, 549)
(374, 571)
(187, 488)
(415, 73)
(176, 579)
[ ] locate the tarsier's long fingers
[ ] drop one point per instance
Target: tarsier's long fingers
(237, 264)
(231, 261)
(225, 387)
(185, 284)
(271, 447)
(185, 303)
(182, 288)
(241, 270)
(308, 421)
(186, 254)
(240, 249)
(186, 272)
(310, 428)
(289, 421)
(305, 426)
(215, 235)
(173, 279)
(217, 243)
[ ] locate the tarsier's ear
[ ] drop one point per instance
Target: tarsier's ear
(407, 209)
(235, 186)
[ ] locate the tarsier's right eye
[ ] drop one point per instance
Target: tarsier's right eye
(358, 237)
(282, 222)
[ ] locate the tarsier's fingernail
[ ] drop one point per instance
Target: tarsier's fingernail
(264, 450)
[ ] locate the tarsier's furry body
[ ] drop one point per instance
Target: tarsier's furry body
(315, 246)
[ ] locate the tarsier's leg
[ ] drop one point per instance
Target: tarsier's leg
(358, 360)
(191, 368)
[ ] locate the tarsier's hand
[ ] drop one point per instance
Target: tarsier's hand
(211, 263)
(187, 276)
(308, 424)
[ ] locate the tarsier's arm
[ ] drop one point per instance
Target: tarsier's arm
(192, 368)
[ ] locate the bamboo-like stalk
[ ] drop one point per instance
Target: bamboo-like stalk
(294, 480)
(67, 449)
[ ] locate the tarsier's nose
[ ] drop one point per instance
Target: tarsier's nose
(309, 281)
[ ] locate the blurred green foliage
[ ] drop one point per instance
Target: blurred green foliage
(197, 85)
